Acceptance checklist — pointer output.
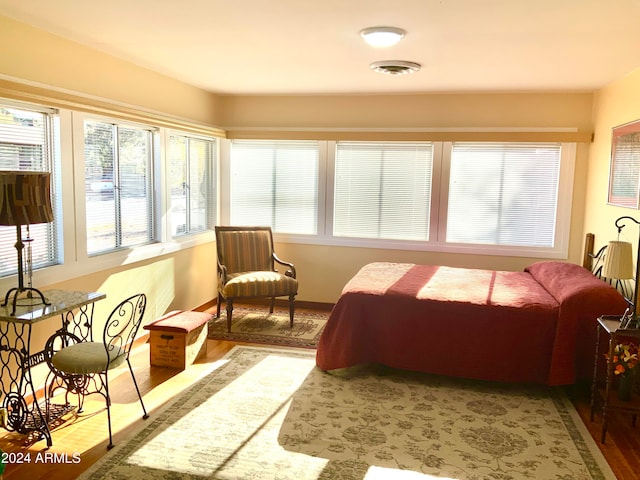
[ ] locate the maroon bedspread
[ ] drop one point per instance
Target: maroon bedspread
(533, 326)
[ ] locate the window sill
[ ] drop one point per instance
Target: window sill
(59, 273)
(408, 245)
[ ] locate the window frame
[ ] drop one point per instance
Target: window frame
(563, 213)
(439, 206)
(225, 175)
(51, 159)
(385, 154)
(151, 195)
(164, 242)
(213, 210)
(70, 208)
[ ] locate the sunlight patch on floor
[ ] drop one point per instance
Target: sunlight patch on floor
(253, 412)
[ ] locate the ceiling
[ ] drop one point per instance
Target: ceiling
(313, 46)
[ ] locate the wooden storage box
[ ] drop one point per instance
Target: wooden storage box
(178, 338)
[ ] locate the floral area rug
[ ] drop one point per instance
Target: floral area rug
(271, 414)
(256, 325)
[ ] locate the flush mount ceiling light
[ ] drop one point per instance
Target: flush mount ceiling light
(382, 36)
(395, 67)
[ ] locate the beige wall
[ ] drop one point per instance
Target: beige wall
(30, 55)
(185, 280)
(33, 64)
(614, 105)
(33, 55)
(323, 271)
(428, 111)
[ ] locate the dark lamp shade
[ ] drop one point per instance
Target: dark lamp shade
(25, 198)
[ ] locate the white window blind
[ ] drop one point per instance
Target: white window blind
(192, 184)
(275, 183)
(383, 190)
(27, 143)
(503, 194)
(118, 186)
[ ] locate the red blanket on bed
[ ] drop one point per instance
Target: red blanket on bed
(532, 326)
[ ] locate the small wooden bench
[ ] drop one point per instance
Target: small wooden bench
(178, 338)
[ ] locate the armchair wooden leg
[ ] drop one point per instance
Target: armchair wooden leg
(218, 305)
(229, 313)
(273, 302)
(292, 299)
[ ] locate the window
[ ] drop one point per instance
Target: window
(114, 211)
(275, 183)
(191, 184)
(473, 197)
(503, 194)
(383, 190)
(28, 142)
(118, 160)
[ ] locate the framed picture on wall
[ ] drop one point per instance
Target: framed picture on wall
(624, 174)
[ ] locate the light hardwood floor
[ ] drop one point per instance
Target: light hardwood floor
(82, 441)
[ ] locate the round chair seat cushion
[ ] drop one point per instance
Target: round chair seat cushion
(86, 357)
(259, 284)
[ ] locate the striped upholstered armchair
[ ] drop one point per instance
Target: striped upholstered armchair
(246, 269)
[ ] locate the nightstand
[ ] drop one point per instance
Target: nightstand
(604, 394)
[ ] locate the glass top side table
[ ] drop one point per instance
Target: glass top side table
(20, 409)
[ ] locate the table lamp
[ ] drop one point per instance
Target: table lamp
(618, 264)
(25, 199)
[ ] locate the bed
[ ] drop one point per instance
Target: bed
(535, 326)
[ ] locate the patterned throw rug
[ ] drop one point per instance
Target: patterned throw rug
(271, 414)
(256, 325)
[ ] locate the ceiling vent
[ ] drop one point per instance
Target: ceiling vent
(395, 67)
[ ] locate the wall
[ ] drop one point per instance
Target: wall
(31, 55)
(449, 112)
(616, 104)
(35, 65)
(323, 271)
(177, 281)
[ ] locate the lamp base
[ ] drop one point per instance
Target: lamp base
(629, 321)
(16, 291)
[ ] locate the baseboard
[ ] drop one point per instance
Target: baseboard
(280, 303)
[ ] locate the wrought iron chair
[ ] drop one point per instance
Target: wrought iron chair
(246, 269)
(82, 368)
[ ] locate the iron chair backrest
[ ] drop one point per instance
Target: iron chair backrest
(122, 326)
(245, 249)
